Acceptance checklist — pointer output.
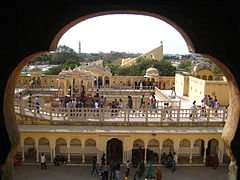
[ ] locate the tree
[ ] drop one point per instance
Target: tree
(186, 64)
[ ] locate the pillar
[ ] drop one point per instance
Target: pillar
(145, 152)
(205, 153)
(83, 154)
(103, 81)
(190, 156)
(22, 149)
(23, 154)
(37, 154)
(68, 153)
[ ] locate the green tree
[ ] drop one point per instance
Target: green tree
(186, 64)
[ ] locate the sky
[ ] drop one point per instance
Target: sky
(124, 33)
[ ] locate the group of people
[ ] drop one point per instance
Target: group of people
(206, 102)
(169, 160)
(59, 160)
(31, 102)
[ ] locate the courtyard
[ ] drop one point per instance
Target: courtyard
(76, 172)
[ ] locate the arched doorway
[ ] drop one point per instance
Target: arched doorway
(198, 151)
(29, 149)
(184, 151)
(153, 151)
(114, 150)
(75, 150)
(110, 8)
(138, 152)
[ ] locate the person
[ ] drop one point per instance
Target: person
(141, 101)
(173, 90)
(62, 160)
(43, 161)
(158, 174)
(149, 170)
(117, 171)
(105, 171)
(112, 169)
(103, 160)
(143, 108)
(30, 101)
(164, 158)
(56, 160)
(215, 161)
(20, 102)
(193, 109)
(94, 165)
(128, 168)
(37, 103)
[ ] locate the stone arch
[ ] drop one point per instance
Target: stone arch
(44, 147)
(90, 149)
(29, 149)
(184, 151)
(153, 151)
(138, 151)
(76, 150)
(198, 151)
(229, 129)
(168, 146)
(61, 146)
(213, 147)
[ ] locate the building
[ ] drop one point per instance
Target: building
(156, 54)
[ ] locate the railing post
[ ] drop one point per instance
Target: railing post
(50, 114)
(125, 115)
(146, 114)
(178, 114)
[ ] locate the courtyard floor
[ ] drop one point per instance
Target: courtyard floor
(76, 172)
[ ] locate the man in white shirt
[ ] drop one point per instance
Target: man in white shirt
(43, 161)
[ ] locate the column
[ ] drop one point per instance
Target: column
(176, 150)
(54, 152)
(97, 81)
(37, 152)
(51, 154)
(145, 152)
(220, 151)
(68, 153)
(23, 154)
(160, 152)
(190, 156)
(83, 153)
(103, 79)
(205, 153)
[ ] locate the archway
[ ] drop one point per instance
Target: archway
(29, 149)
(61, 147)
(168, 146)
(138, 152)
(44, 147)
(75, 150)
(153, 151)
(114, 150)
(184, 151)
(212, 148)
(8, 112)
(89, 151)
(198, 151)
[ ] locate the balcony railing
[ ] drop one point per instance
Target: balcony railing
(159, 115)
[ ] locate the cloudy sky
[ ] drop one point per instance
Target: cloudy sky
(124, 33)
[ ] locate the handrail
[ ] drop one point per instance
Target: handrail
(105, 114)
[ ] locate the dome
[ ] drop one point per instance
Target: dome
(151, 72)
(35, 69)
(201, 65)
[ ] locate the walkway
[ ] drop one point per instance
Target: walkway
(29, 172)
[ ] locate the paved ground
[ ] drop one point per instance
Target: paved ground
(34, 172)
